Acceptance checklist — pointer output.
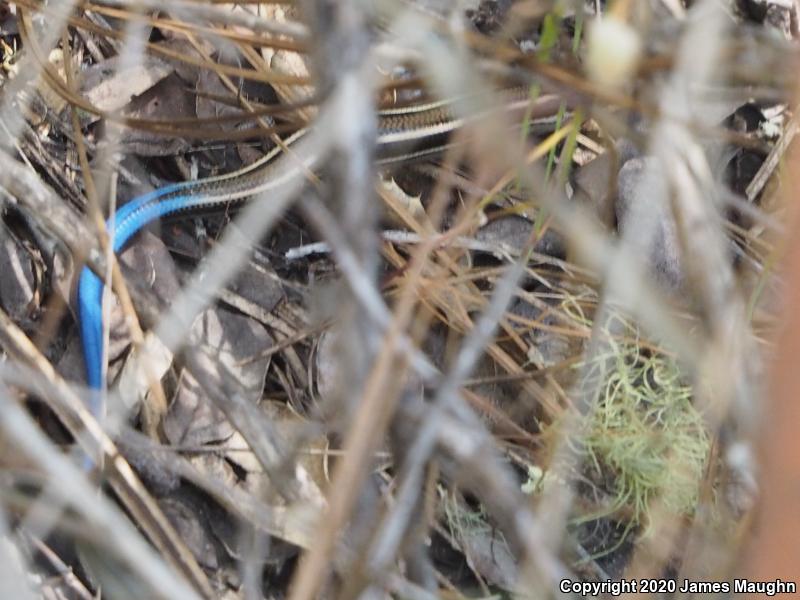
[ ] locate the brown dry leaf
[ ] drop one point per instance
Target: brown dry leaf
(288, 425)
(209, 88)
(484, 547)
(259, 285)
(192, 419)
(180, 45)
(146, 364)
(209, 85)
(110, 86)
(147, 261)
(239, 343)
(167, 100)
(288, 63)
(19, 293)
(189, 518)
(215, 467)
(292, 63)
(403, 206)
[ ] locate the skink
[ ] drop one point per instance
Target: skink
(401, 133)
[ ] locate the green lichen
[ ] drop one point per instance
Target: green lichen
(643, 429)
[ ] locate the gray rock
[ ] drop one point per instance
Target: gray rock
(644, 215)
(513, 231)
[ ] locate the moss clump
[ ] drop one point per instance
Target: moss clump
(643, 429)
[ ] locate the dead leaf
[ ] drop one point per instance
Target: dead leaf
(258, 285)
(404, 207)
(239, 343)
(187, 517)
(111, 86)
(288, 63)
(167, 100)
(18, 287)
(288, 425)
(483, 546)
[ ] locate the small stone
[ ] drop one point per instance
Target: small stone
(513, 232)
(643, 212)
